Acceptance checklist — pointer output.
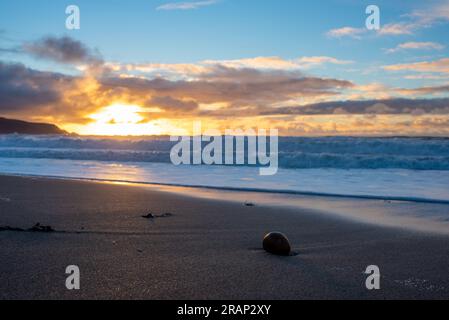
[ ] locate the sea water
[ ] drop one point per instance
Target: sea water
(414, 169)
(397, 182)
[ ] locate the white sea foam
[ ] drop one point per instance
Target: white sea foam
(387, 184)
(297, 153)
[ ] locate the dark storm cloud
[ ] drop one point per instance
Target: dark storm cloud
(24, 88)
(63, 50)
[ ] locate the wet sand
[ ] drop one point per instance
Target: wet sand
(206, 249)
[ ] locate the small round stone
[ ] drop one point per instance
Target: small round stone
(277, 243)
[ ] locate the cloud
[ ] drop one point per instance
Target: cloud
(30, 93)
(397, 29)
(24, 88)
(234, 86)
(368, 91)
(170, 104)
(437, 66)
(311, 62)
(273, 63)
(175, 70)
(27, 91)
(426, 90)
(416, 46)
(186, 5)
(427, 77)
(393, 106)
(378, 91)
(432, 14)
(387, 29)
(171, 88)
(62, 50)
(194, 70)
(277, 63)
(265, 88)
(418, 19)
(346, 32)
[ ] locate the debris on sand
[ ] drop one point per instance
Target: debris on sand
(36, 228)
(8, 228)
(153, 216)
(277, 243)
(39, 228)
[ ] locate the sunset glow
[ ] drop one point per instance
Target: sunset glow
(333, 80)
(119, 119)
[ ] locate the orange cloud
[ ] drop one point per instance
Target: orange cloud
(438, 66)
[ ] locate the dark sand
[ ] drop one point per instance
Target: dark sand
(207, 250)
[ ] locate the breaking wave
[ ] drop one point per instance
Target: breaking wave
(294, 152)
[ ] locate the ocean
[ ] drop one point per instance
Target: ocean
(413, 169)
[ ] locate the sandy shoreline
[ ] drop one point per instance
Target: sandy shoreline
(208, 249)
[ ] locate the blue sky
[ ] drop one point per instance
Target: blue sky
(136, 31)
(168, 32)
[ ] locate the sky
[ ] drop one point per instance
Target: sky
(307, 68)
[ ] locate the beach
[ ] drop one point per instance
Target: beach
(201, 247)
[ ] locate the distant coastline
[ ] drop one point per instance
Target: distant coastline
(11, 126)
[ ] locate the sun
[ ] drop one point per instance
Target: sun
(120, 120)
(120, 114)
